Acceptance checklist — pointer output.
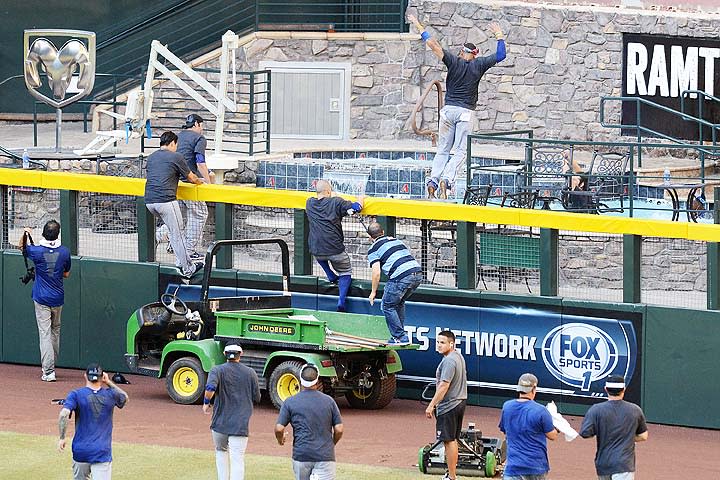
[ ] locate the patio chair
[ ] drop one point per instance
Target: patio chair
(549, 170)
(605, 180)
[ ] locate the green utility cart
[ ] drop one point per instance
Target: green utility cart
(182, 340)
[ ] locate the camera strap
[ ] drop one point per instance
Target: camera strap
(24, 251)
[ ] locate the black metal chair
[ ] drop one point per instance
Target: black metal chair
(605, 180)
(549, 170)
(525, 199)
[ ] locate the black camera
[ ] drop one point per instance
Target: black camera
(29, 276)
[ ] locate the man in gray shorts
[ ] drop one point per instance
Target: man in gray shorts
(164, 170)
(326, 240)
(450, 398)
(235, 388)
(618, 425)
(317, 428)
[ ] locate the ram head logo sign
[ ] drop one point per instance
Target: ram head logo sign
(75, 59)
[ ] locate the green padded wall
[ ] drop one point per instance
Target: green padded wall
(112, 291)
(681, 366)
(19, 329)
(1, 304)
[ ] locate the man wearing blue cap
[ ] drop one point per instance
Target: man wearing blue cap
(618, 425)
(235, 388)
(93, 405)
(458, 115)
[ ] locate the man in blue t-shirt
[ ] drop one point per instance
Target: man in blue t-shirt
(527, 426)
(52, 266)
(618, 425)
(404, 276)
(326, 241)
(93, 405)
(457, 116)
(317, 428)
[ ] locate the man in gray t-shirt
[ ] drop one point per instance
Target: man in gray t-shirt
(165, 169)
(618, 425)
(317, 427)
(235, 388)
(450, 397)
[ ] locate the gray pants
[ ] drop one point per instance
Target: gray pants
(542, 476)
(455, 125)
(229, 455)
(197, 213)
(314, 470)
(96, 471)
(48, 322)
(171, 216)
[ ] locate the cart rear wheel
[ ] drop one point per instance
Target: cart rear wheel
(185, 381)
(284, 382)
(376, 395)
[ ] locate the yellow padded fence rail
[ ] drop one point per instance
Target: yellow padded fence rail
(263, 197)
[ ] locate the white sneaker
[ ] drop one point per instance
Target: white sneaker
(48, 378)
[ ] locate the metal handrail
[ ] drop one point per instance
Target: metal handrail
(418, 105)
(706, 96)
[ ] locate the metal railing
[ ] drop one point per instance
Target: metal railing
(700, 108)
(640, 129)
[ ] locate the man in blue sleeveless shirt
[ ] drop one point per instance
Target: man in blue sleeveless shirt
(93, 405)
(457, 116)
(404, 276)
(52, 266)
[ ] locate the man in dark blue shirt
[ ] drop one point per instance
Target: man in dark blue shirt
(93, 405)
(52, 266)
(326, 240)
(317, 428)
(457, 116)
(404, 276)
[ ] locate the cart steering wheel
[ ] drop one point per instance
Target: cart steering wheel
(172, 302)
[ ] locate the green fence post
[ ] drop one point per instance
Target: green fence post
(388, 223)
(713, 260)
(303, 259)
(69, 219)
(632, 254)
(146, 231)
(549, 261)
(465, 255)
(224, 231)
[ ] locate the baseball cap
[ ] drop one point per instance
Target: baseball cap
(94, 372)
(232, 351)
(191, 119)
(307, 368)
(527, 382)
(615, 382)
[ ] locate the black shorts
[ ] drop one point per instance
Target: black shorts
(449, 425)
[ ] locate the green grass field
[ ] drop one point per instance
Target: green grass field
(35, 456)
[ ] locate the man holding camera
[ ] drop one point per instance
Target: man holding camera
(52, 266)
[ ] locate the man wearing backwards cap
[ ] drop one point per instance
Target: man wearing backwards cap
(235, 388)
(527, 426)
(93, 406)
(618, 425)
(317, 427)
(457, 116)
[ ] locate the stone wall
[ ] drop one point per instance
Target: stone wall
(561, 60)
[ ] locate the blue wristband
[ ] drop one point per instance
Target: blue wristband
(425, 36)
(206, 401)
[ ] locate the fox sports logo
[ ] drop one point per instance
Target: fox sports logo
(578, 354)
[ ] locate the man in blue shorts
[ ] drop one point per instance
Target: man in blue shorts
(235, 389)
(52, 266)
(93, 405)
(404, 276)
(450, 399)
(618, 425)
(527, 426)
(317, 428)
(326, 240)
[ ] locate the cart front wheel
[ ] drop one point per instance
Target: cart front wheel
(185, 381)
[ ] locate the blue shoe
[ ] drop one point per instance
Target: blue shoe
(431, 188)
(399, 341)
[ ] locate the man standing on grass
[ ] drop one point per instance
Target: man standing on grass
(450, 399)
(404, 276)
(618, 425)
(93, 405)
(235, 388)
(326, 240)
(317, 428)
